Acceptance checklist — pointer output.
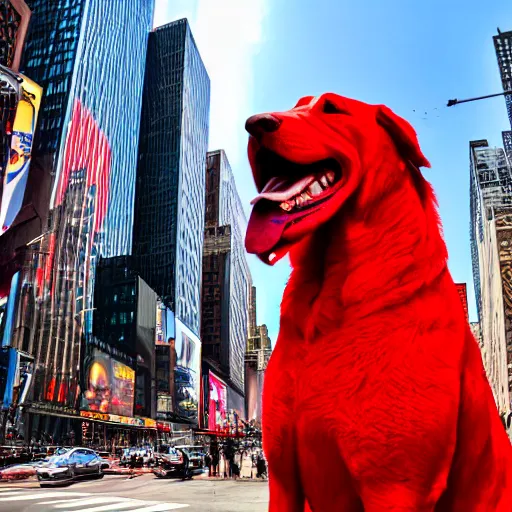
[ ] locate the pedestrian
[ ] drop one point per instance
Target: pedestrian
(186, 465)
(235, 470)
(215, 463)
(208, 463)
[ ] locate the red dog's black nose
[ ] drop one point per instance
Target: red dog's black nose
(262, 123)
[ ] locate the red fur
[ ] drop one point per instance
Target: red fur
(375, 396)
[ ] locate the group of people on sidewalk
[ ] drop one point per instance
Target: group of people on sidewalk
(227, 461)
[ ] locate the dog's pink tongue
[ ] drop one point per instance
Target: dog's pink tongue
(265, 228)
(281, 189)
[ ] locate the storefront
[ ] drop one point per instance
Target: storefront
(111, 432)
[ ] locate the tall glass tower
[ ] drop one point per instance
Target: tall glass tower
(170, 199)
(89, 57)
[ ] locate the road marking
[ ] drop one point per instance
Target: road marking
(39, 495)
(160, 507)
(52, 502)
(115, 506)
(81, 502)
(91, 501)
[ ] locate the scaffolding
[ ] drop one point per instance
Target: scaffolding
(503, 46)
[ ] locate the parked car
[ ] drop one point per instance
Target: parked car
(171, 463)
(74, 464)
(196, 454)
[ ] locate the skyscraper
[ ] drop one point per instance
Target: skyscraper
(89, 57)
(226, 280)
(491, 250)
(170, 201)
(503, 46)
(169, 224)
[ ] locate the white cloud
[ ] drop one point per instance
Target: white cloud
(228, 34)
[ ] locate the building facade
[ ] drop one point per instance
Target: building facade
(170, 202)
(491, 243)
(169, 227)
(503, 46)
(226, 281)
(82, 51)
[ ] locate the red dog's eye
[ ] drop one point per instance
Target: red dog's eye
(330, 108)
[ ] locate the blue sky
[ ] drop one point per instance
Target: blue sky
(262, 55)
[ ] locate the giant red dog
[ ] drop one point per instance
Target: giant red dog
(375, 396)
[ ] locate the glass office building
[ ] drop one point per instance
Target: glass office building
(89, 56)
(170, 199)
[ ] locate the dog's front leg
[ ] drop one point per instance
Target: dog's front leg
(279, 440)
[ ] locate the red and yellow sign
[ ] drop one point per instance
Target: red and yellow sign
(115, 418)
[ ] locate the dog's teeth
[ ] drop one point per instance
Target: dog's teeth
(324, 181)
(315, 188)
(286, 206)
(305, 196)
(298, 201)
(330, 176)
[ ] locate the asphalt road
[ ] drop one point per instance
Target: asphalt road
(142, 494)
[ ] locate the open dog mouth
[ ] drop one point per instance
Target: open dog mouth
(295, 187)
(289, 193)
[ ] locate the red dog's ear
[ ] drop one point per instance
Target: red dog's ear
(306, 100)
(403, 136)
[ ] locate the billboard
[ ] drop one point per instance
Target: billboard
(109, 385)
(20, 123)
(164, 331)
(187, 373)
(236, 403)
(217, 402)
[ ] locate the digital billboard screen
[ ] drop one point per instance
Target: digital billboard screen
(109, 385)
(217, 406)
(164, 331)
(187, 372)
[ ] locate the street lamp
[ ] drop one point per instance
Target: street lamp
(451, 103)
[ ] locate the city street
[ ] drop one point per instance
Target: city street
(141, 494)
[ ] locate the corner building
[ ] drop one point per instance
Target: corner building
(88, 55)
(491, 252)
(169, 219)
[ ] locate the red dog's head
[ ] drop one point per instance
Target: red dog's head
(309, 160)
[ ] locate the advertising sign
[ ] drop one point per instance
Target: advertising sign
(109, 385)
(217, 410)
(20, 131)
(187, 372)
(463, 294)
(164, 331)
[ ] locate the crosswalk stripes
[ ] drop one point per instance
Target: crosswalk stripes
(64, 501)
